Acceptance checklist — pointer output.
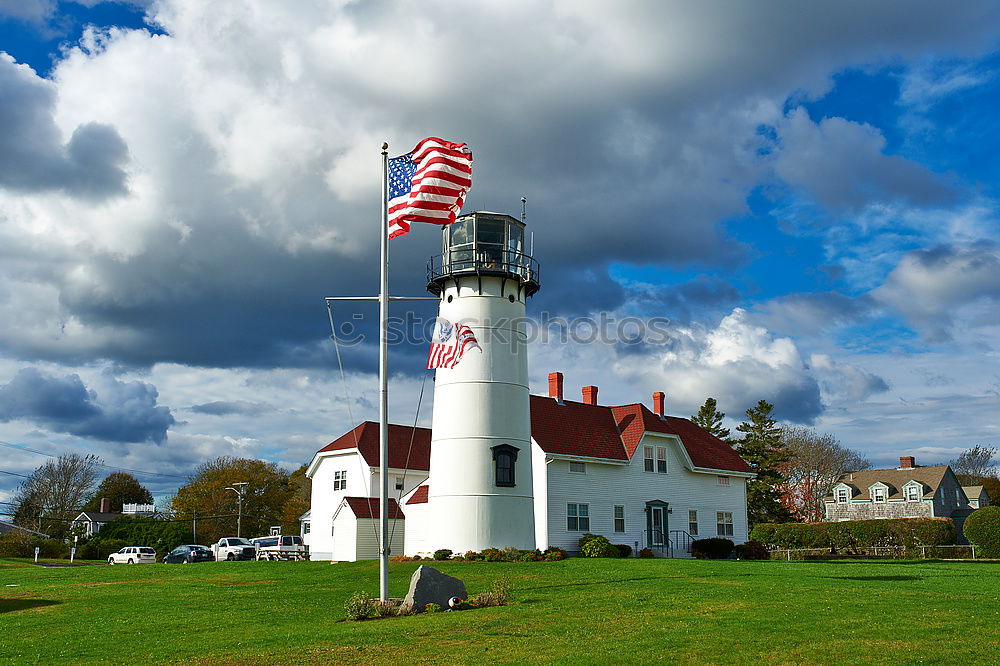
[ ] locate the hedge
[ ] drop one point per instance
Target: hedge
(908, 533)
(714, 548)
(982, 528)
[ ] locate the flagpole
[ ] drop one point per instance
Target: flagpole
(383, 392)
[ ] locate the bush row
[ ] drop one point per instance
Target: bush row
(551, 554)
(982, 528)
(908, 533)
(595, 545)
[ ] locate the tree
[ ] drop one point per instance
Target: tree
(120, 488)
(55, 493)
(975, 464)
(205, 499)
(160, 535)
(299, 502)
(764, 450)
(815, 462)
(709, 418)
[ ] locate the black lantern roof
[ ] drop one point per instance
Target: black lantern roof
(483, 244)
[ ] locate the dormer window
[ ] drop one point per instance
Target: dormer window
(878, 494)
(504, 457)
(843, 495)
(913, 493)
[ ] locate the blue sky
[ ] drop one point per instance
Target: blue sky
(806, 192)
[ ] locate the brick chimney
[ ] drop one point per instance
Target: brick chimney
(907, 462)
(590, 395)
(658, 399)
(556, 386)
(105, 505)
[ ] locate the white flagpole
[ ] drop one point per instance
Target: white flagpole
(383, 392)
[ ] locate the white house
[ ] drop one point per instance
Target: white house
(629, 473)
(500, 467)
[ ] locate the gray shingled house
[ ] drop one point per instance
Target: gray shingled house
(908, 491)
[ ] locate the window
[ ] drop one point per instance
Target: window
(398, 480)
(647, 458)
(306, 528)
(578, 517)
(725, 523)
(578, 467)
(340, 480)
(504, 457)
(842, 495)
(661, 460)
(722, 480)
(693, 522)
(619, 514)
(912, 493)
(878, 495)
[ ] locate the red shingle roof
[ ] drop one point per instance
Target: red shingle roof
(367, 507)
(366, 435)
(704, 448)
(575, 429)
(571, 428)
(420, 496)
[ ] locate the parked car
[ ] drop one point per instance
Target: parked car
(189, 553)
(133, 555)
(280, 547)
(233, 548)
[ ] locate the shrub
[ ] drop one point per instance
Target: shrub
(511, 554)
(385, 608)
(433, 608)
(752, 550)
(442, 554)
(502, 590)
(646, 553)
(473, 556)
(624, 550)
(598, 546)
(416, 557)
(714, 548)
(530, 556)
(399, 558)
(851, 535)
(16, 544)
(360, 606)
(586, 538)
(492, 555)
(485, 600)
(554, 554)
(982, 528)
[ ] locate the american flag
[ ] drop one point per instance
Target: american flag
(428, 184)
(449, 344)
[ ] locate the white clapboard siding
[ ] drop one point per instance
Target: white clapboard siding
(366, 547)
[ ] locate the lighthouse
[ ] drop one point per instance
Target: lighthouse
(480, 477)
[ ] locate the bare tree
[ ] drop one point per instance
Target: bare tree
(55, 493)
(975, 464)
(816, 460)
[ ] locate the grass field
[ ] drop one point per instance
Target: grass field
(576, 611)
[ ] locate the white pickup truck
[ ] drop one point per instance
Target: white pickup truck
(280, 547)
(233, 548)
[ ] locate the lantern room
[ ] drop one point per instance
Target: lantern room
(483, 244)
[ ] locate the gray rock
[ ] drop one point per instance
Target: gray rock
(430, 586)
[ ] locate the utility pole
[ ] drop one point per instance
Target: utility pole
(240, 490)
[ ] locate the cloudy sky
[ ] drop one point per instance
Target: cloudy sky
(805, 192)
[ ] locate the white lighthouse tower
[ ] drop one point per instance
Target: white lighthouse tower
(480, 484)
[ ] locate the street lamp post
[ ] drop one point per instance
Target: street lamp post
(240, 490)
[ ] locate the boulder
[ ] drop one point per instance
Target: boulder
(430, 586)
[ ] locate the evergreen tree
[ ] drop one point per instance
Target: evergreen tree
(763, 448)
(709, 418)
(120, 488)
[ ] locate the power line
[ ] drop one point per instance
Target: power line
(21, 447)
(23, 476)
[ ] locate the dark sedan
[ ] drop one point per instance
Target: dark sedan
(188, 554)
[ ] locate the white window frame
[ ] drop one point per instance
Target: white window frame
(722, 480)
(618, 517)
(661, 460)
(339, 480)
(843, 495)
(648, 463)
(724, 523)
(577, 467)
(913, 492)
(693, 522)
(879, 494)
(580, 512)
(399, 482)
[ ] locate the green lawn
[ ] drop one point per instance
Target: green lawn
(576, 611)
